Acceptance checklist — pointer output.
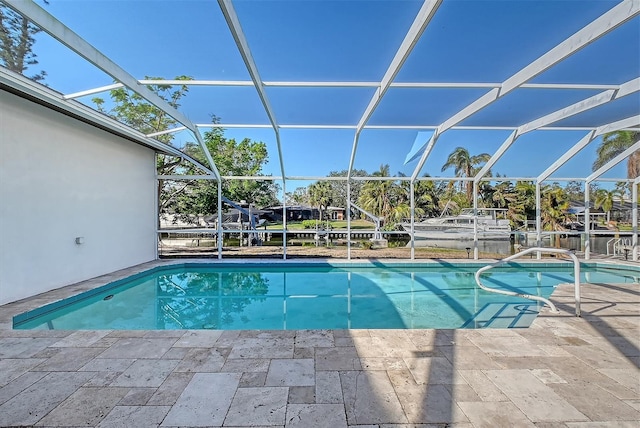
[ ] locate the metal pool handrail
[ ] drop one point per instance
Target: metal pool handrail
(576, 272)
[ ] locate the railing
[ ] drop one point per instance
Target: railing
(618, 246)
(613, 241)
(576, 272)
(622, 245)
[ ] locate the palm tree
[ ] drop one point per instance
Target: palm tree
(486, 192)
(401, 200)
(505, 195)
(526, 192)
(375, 194)
(553, 206)
(605, 199)
(386, 198)
(465, 165)
(615, 143)
(320, 195)
(427, 198)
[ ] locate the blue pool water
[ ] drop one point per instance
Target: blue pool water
(196, 296)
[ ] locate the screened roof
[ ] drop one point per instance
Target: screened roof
(343, 85)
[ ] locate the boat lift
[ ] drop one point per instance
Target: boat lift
(377, 236)
(254, 238)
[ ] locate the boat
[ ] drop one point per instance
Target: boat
(461, 226)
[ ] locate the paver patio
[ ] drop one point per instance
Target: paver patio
(563, 371)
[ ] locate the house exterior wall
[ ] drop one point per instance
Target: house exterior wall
(61, 179)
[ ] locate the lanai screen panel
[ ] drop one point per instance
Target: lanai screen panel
(322, 65)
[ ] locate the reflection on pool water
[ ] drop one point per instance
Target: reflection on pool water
(198, 296)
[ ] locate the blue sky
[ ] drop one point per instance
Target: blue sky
(467, 41)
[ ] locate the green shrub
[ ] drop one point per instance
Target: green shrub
(309, 224)
(367, 245)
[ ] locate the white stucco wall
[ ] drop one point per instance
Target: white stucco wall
(61, 179)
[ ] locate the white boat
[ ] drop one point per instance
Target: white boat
(461, 226)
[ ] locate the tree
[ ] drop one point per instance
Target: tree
(485, 193)
(300, 196)
(526, 192)
(133, 110)
(504, 195)
(605, 198)
(339, 188)
(553, 206)
(388, 199)
(16, 42)
(575, 190)
(426, 201)
(376, 194)
(235, 158)
(465, 165)
(241, 158)
(245, 157)
(622, 187)
(426, 197)
(320, 195)
(452, 201)
(615, 143)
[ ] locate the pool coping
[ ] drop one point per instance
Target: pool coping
(12, 314)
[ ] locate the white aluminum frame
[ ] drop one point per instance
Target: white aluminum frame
(606, 23)
(56, 29)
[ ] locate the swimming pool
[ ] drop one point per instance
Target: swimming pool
(313, 296)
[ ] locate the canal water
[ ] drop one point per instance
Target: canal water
(598, 244)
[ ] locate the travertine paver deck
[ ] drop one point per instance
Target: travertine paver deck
(563, 371)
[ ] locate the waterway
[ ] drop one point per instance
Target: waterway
(598, 244)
